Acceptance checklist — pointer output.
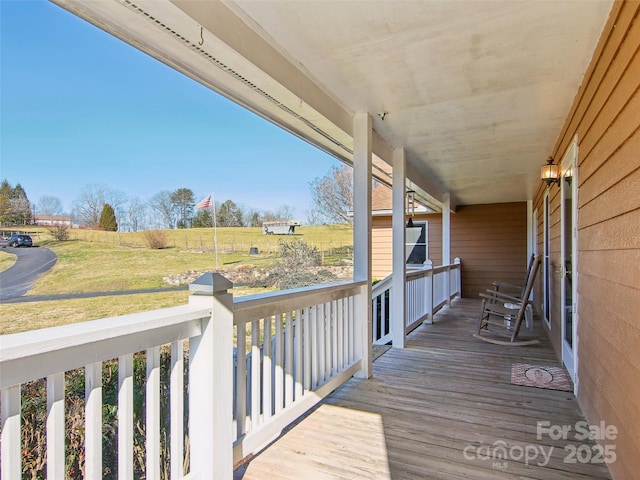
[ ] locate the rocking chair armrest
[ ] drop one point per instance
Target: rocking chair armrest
(500, 297)
(506, 285)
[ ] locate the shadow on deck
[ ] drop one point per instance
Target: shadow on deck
(442, 408)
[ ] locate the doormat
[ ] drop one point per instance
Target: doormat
(552, 378)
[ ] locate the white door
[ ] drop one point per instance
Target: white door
(568, 267)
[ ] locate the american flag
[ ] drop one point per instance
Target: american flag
(206, 203)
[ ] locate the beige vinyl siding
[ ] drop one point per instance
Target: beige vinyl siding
(491, 241)
(381, 245)
(606, 117)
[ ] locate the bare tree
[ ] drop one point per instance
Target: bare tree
(333, 194)
(162, 205)
(136, 214)
(285, 212)
(269, 216)
(49, 205)
(315, 217)
(88, 206)
(252, 217)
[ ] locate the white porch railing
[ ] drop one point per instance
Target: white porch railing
(381, 311)
(49, 353)
(428, 289)
(315, 347)
(233, 408)
(316, 344)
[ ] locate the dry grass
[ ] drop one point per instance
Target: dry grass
(19, 317)
(229, 239)
(100, 265)
(105, 266)
(6, 260)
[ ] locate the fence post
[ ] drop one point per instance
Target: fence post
(211, 380)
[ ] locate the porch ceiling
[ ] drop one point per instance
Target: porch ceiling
(476, 91)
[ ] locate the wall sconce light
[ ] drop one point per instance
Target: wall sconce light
(550, 173)
(411, 206)
(568, 176)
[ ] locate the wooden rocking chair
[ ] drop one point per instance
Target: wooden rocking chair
(507, 311)
(511, 289)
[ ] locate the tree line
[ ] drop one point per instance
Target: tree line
(99, 205)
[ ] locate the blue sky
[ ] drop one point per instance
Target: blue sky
(80, 107)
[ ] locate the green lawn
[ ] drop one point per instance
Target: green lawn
(109, 261)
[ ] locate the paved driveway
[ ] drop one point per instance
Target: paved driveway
(30, 265)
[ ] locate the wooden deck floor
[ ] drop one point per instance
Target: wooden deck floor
(438, 409)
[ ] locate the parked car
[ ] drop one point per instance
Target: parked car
(4, 242)
(20, 241)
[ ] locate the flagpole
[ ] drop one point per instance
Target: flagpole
(215, 228)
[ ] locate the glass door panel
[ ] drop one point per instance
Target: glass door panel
(567, 267)
(567, 270)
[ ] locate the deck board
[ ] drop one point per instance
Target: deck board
(446, 391)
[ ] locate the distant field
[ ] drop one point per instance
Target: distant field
(110, 261)
(230, 239)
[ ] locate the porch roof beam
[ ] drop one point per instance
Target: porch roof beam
(218, 45)
(230, 27)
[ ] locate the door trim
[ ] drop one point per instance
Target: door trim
(569, 167)
(546, 261)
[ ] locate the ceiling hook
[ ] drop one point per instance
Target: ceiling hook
(201, 42)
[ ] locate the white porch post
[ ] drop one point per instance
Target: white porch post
(446, 240)
(398, 284)
(211, 380)
(362, 152)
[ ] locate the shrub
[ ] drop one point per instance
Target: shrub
(156, 239)
(59, 232)
(298, 258)
(297, 255)
(306, 279)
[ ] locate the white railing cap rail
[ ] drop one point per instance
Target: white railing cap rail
(382, 285)
(253, 307)
(37, 353)
(421, 270)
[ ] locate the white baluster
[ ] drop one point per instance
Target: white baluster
(93, 420)
(153, 413)
(125, 417)
(55, 426)
(11, 441)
